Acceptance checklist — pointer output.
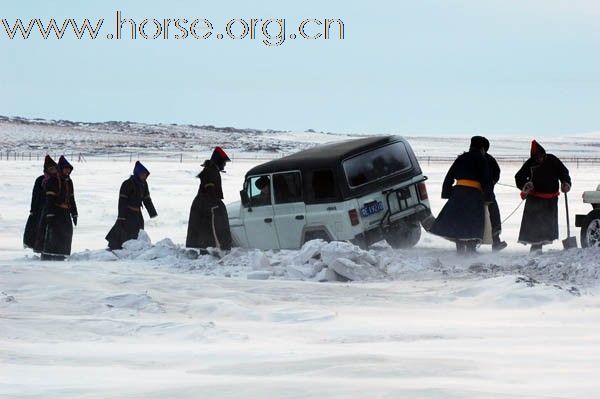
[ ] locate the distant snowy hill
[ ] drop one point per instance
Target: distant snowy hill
(100, 138)
(21, 134)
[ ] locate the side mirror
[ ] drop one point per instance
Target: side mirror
(244, 197)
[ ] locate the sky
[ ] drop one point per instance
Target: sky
(426, 67)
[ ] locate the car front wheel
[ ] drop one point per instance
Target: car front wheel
(590, 230)
(405, 237)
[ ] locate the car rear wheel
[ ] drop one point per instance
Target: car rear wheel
(404, 237)
(316, 235)
(590, 230)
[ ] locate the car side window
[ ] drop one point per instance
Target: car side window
(287, 187)
(259, 190)
(323, 185)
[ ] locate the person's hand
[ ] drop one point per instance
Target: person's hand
(74, 220)
(565, 187)
(528, 187)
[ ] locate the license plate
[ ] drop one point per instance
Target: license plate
(371, 208)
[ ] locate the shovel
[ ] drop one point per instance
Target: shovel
(569, 242)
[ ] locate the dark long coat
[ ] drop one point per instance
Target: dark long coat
(539, 224)
(33, 235)
(462, 217)
(60, 208)
(208, 225)
(134, 194)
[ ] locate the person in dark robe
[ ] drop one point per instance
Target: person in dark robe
(496, 221)
(60, 213)
(133, 196)
(462, 218)
(208, 224)
(538, 179)
(34, 228)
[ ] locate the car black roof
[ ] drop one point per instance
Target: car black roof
(327, 156)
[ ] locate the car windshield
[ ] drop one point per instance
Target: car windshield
(374, 165)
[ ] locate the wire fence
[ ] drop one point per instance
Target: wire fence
(181, 157)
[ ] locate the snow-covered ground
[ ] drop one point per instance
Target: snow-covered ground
(423, 323)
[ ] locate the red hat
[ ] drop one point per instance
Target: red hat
(536, 148)
(221, 154)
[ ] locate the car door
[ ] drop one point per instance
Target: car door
(258, 215)
(289, 208)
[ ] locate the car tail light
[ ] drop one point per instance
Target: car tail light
(353, 214)
(423, 191)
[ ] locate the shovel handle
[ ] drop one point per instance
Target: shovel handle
(567, 209)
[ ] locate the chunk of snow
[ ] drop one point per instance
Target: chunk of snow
(259, 275)
(354, 271)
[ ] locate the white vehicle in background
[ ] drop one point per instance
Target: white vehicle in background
(362, 190)
(590, 223)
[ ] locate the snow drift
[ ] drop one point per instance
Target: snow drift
(322, 261)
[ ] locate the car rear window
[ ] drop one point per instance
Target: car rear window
(377, 164)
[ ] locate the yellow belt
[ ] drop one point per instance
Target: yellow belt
(133, 208)
(469, 183)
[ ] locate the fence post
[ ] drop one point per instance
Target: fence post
(181, 158)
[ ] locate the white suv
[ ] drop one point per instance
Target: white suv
(362, 190)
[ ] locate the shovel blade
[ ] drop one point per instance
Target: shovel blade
(569, 243)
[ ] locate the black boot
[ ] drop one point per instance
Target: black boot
(471, 248)
(497, 244)
(536, 249)
(460, 247)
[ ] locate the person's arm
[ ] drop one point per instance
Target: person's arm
(486, 178)
(523, 175)
(148, 202)
(124, 194)
(563, 175)
(74, 214)
(52, 191)
(210, 179)
(563, 172)
(37, 196)
(449, 182)
(494, 169)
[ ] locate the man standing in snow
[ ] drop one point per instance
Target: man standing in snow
(61, 213)
(133, 195)
(538, 179)
(34, 229)
(462, 219)
(497, 243)
(208, 225)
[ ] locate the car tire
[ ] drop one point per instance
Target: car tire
(315, 235)
(590, 230)
(405, 237)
